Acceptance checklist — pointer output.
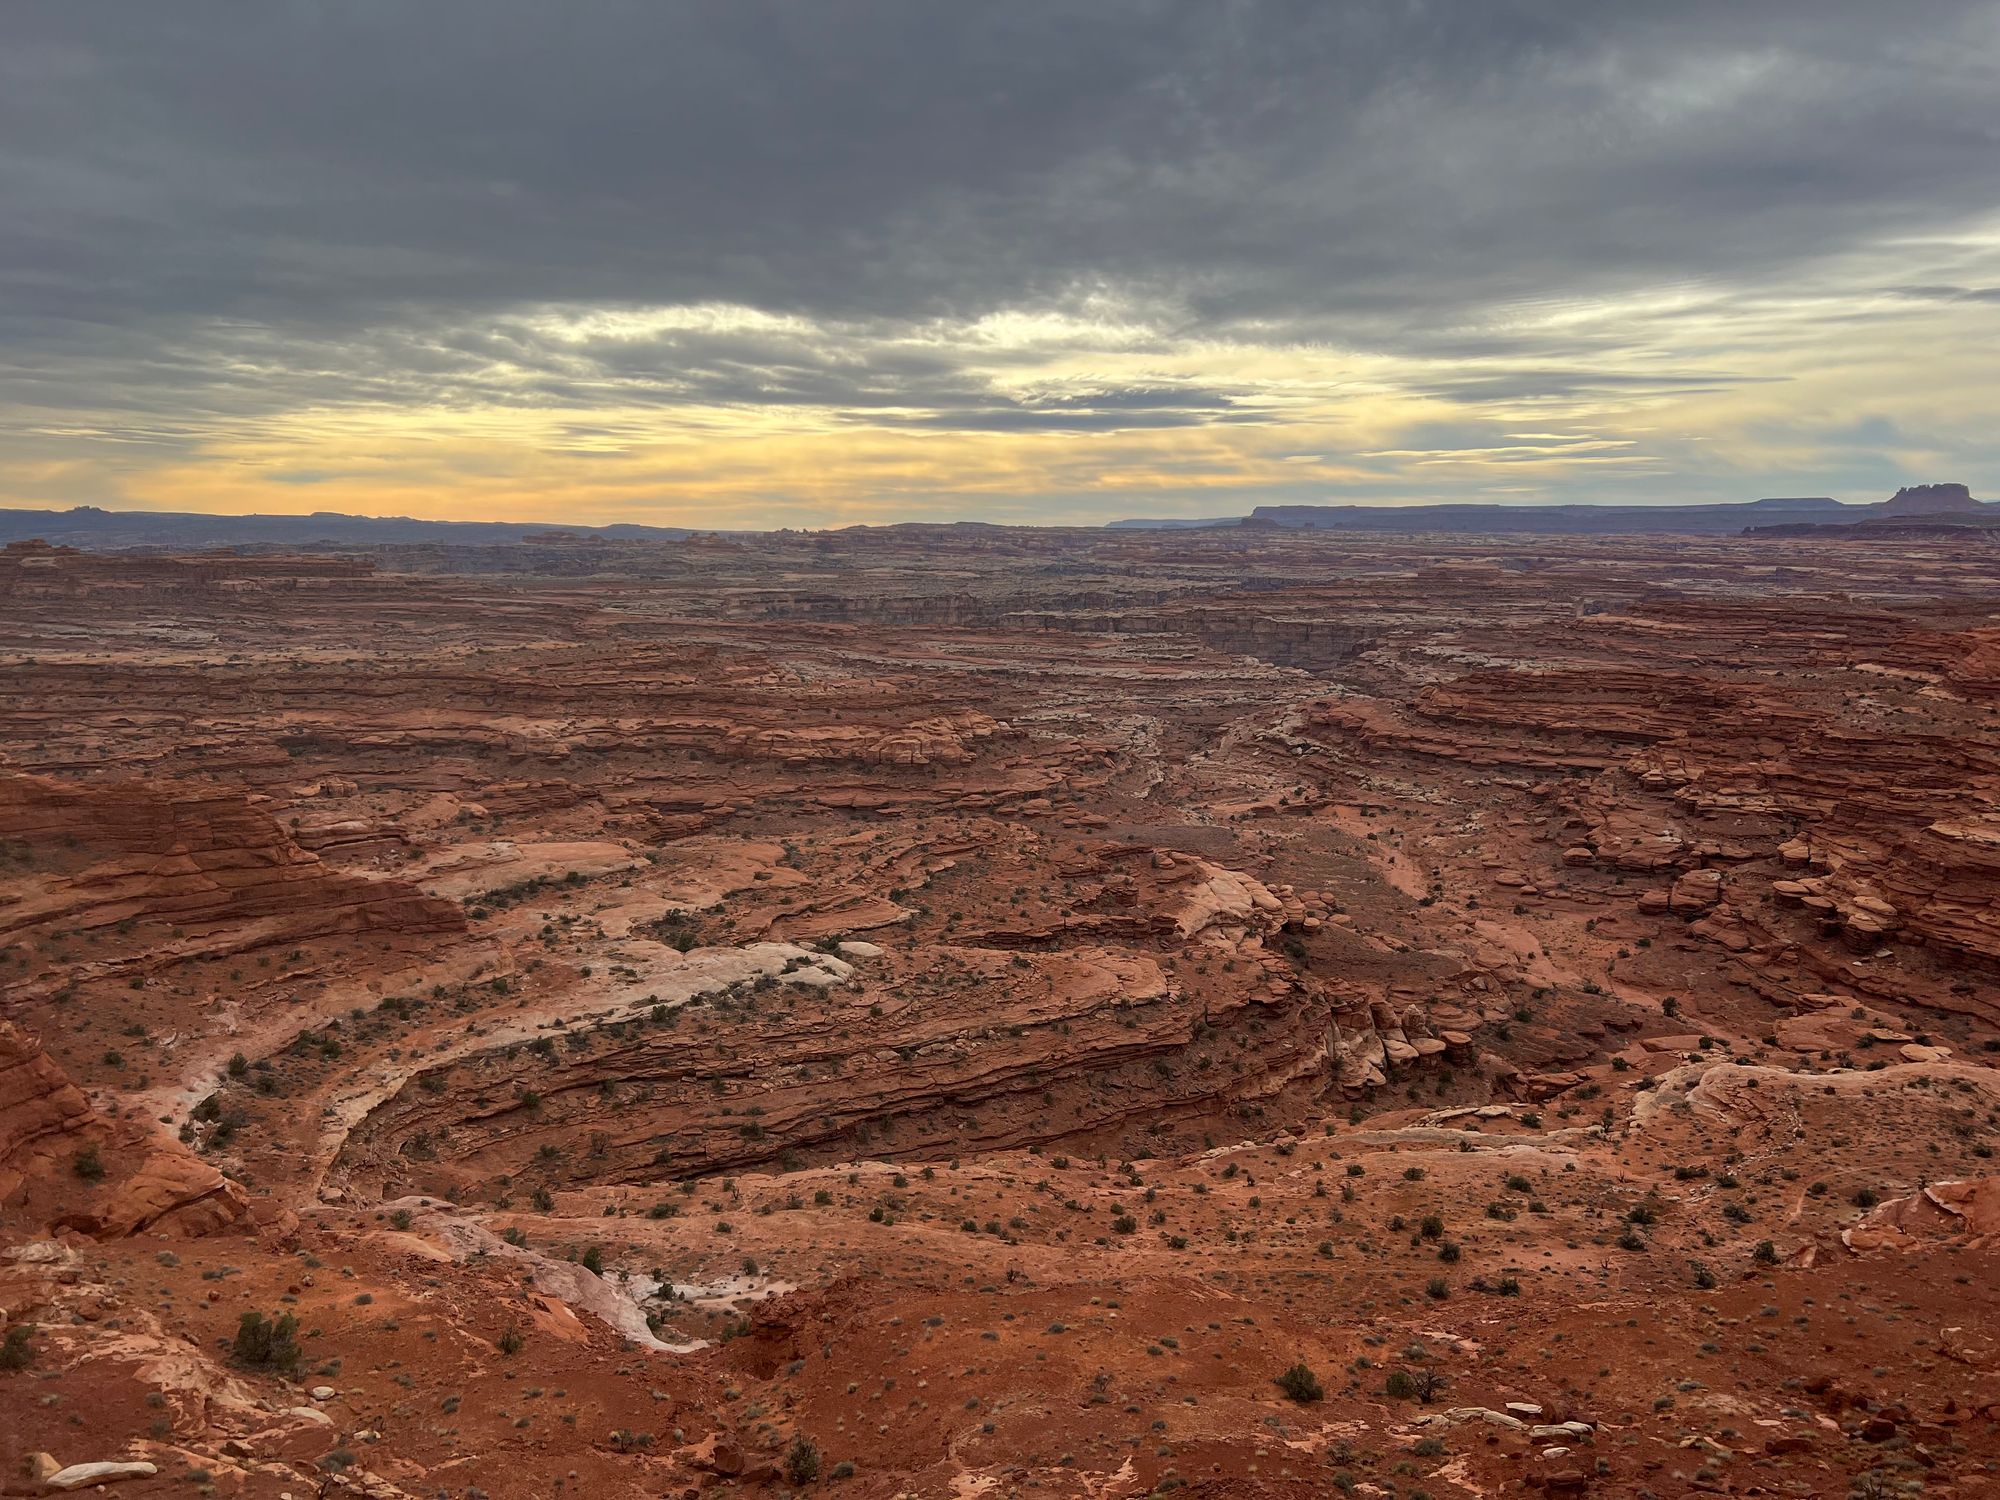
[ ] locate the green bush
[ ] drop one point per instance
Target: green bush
(17, 1353)
(268, 1343)
(1300, 1384)
(802, 1462)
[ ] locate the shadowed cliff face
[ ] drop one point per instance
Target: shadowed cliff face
(699, 979)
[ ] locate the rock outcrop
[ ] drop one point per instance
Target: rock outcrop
(63, 1165)
(205, 862)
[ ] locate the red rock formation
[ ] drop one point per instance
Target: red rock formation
(203, 860)
(962, 996)
(63, 1165)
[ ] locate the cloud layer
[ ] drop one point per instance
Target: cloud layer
(779, 264)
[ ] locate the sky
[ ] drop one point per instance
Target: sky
(822, 262)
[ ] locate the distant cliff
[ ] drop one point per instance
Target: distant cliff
(1914, 512)
(1788, 514)
(1577, 519)
(1931, 500)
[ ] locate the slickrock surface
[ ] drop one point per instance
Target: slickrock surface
(987, 1003)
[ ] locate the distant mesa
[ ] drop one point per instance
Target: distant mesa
(1928, 505)
(99, 530)
(1915, 510)
(1931, 500)
(1484, 519)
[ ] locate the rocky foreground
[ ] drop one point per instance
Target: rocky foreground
(975, 1013)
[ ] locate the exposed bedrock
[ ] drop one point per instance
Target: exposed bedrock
(65, 1166)
(1270, 628)
(985, 1050)
(211, 862)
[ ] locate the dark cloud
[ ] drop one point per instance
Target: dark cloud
(215, 210)
(1950, 293)
(862, 156)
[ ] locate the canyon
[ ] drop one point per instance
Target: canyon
(975, 1011)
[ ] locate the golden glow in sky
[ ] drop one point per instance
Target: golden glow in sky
(735, 267)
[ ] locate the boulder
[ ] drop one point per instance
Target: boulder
(1697, 890)
(76, 1476)
(1559, 1431)
(39, 1468)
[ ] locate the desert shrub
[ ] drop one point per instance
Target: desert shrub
(17, 1353)
(268, 1343)
(1300, 1384)
(802, 1461)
